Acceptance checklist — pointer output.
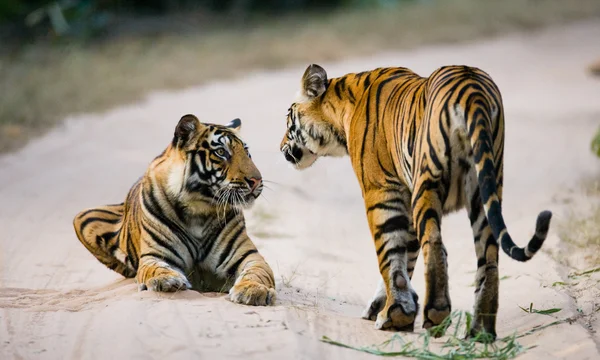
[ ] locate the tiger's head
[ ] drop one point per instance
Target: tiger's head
(312, 127)
(211, 164)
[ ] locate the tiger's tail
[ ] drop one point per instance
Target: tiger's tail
(477, 117)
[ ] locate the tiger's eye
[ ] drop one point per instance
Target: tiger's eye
(220, 152)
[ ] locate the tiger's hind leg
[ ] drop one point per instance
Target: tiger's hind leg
(98, 230)
(379, 299)
(395, 304)
(486, 278)
(427, 211)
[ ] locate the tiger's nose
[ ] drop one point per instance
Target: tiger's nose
(253, 183)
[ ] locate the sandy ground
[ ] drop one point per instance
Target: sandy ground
(58, 302)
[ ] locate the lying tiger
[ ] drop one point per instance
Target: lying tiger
(184, 215)
(420, 148)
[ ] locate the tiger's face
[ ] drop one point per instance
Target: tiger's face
(310, 134)
(216, 165)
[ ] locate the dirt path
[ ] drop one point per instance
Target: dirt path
(58, 302)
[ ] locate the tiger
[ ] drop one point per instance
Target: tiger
(421, 148)
(184, 215)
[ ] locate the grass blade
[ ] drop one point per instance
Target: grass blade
(453, 348)
(531, 310)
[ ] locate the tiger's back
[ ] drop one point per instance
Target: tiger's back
(409, 116)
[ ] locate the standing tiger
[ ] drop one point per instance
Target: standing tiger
(184, 216)
(420, 148)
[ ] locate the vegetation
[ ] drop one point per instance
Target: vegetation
(455, 346)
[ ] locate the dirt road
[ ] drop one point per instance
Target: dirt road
(58, 302)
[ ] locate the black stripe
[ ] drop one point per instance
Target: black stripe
(338, 89)
(365, 133)
(233, 252)
(384, 266)
(351, 96)
(476, 206)
(100, 211)
(399, 250)
(413, 246)
(487, 181)
(396, 223)
(384, 206)
(164, 244)
(380, 249)
(233, 269)
(160, 257)
(429, 214)
(229, 246)
(87, 221)
(155, 210)
(109, 235)
(131, 251)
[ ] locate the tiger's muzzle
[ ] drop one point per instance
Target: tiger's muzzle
(292, 153)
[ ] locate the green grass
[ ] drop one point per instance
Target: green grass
(584, 273)
(42, 84)
(455, 346)
(531, 310)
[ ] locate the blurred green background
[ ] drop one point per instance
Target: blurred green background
(59, 58)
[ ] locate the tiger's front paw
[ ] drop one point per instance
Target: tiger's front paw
(252, 293)
(167, 283)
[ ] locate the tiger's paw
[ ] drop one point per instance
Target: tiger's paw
(376, 304)
(167, 283)
(401, 314)
(434, 314)
(373, 309)
(434, 317)
(252, 293)
(480, 335)
(396, 319)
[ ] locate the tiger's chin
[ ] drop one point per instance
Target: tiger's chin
(305, 161)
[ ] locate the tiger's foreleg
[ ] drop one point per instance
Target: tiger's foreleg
(160, 269)
(157, 275)
(395, 302)
(427, 212)
(254, 281)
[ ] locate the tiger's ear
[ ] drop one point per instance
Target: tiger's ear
(314, 81)
(186, 129)
(235, 125)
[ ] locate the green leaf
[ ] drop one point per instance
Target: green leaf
(586, 272)
(547, 311)
(531, 310)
